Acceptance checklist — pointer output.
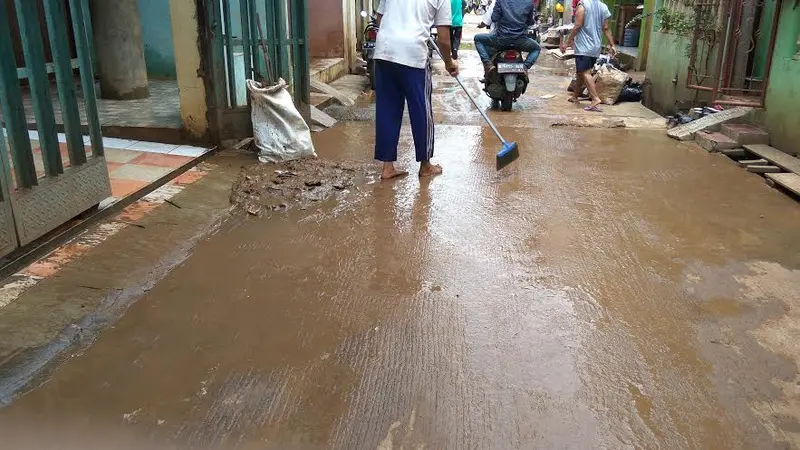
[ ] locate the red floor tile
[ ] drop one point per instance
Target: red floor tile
(123, 188)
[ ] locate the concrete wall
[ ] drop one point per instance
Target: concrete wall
(326, 29)
(667, 68)
(194, 109)
(159, 52)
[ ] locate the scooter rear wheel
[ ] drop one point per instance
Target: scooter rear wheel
(507, 103)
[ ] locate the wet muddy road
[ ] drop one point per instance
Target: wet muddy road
(612, 289)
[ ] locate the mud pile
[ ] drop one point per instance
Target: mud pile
(274, 187)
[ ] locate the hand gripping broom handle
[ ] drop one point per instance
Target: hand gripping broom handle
(472, 99)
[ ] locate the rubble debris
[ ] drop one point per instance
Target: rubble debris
(280, 186)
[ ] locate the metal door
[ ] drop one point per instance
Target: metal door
(732, 49)
(34, 202)
(234, 52)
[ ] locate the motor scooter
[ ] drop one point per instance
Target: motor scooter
(368, 47)
(509, 81)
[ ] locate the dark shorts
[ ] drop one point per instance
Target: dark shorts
(584, 63)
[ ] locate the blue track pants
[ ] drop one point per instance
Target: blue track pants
(396, 84)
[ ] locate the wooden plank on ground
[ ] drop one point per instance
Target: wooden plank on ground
(764, 169)
(332, 91)
(775, 156)
(753, 162)
(790, 181)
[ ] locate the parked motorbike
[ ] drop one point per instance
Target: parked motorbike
(506, 84)
(368, 47)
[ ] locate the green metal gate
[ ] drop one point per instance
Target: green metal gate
(33, 204)
(233, 53)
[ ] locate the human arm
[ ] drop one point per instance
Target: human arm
(381, 11)
(443, 22)
(579, 18)
(612, 49)
(486, 21)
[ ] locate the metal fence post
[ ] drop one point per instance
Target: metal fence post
(56, 28)
(33, 49)
(14, 109)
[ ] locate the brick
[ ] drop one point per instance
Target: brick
(714, 142)
(745, 134)
(687, 132)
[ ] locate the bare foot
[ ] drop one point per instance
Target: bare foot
(388, 174)
(429, 170)
(573, 99)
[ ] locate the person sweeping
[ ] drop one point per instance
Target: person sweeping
(403, 75)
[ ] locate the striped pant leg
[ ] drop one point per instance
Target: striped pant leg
(418, 87)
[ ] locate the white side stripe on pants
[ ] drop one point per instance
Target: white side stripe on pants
(429, 108)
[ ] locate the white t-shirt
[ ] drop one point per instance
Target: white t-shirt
(405, 29)
(487, 18)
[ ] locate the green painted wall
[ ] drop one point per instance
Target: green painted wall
(666, 63)
(159, 53)
(781, 115)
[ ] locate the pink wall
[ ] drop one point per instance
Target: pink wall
(325, 28)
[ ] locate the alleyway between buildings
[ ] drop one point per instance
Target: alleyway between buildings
(613, 288)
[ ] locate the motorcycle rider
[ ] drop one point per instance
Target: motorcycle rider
(512, 18)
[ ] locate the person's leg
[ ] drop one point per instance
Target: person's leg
(485, 44)
(575, 98)
(455, 40)
(588, 80)
(418, 87)
(389, 107)
(531, 47)
(584, 65)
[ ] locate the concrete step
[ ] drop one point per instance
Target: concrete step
(320, 100)
(714, 142)
(745, 134)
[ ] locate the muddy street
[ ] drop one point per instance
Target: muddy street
(611, 289)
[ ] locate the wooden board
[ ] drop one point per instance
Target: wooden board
(753, 162)
(775, 156)
(790, 181)
(764, 169)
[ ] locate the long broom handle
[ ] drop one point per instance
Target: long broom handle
(472, 99)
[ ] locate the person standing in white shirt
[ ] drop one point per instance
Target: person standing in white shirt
(403, 75)
(487, 21)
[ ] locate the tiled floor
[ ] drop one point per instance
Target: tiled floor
(132, 165)
(160, 110)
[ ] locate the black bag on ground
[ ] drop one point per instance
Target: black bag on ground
(631, 92)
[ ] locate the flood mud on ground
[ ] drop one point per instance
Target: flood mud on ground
(264, 187)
